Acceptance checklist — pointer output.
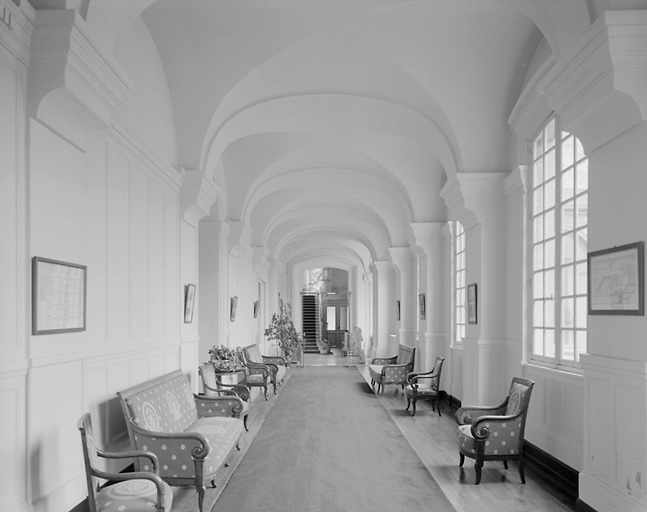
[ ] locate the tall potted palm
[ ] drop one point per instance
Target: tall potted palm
(282, 331)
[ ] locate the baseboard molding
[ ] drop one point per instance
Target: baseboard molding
(564, 478)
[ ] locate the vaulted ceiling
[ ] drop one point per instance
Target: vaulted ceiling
(330, 126)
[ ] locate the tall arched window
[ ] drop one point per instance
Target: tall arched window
(459, 283)
(559, 233)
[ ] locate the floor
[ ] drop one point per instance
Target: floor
(433, 437)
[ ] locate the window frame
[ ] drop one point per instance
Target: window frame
(546, 313)
(459, 283)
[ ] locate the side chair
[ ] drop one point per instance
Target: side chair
(258, 375)
(424, 386)
(392, 370)
(495, 433)
(141, 491)
(212, 386)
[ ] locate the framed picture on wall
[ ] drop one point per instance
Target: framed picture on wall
(257, 304)
(471, 303)
(58, 296)
(397, 310)
(233, 303)
(189, 301)
(423, 306)
(616, 281)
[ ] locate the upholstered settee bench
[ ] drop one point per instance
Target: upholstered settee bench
(191, 435)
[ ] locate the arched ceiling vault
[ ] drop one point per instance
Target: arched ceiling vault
(333, 124)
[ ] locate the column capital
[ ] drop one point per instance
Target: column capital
(425, 236)
(402, 257)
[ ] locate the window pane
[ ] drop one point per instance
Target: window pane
(538, 342)
(567, 152)
(538, 148)
(582, 203)
(582, 176)
(568, 214)
(568, 345)
(538, 228)
(538, 201)
(549, 254)
(538, 285)
(568, 313)
(538, 172)
(568, 186)
(538, 314)
(538, 259)
(579, 150)
(568, 250)
(568, 280)
(549, 283)
(549, 343)
(549, 228)
(550, 134)
(549, 164)
(549, 194)
(549, 313)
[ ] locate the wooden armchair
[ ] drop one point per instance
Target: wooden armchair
(495, 433)
(392, 370)
(277, 365)
(136, 492)
(258, 374)
(212, 387)
(424, 386)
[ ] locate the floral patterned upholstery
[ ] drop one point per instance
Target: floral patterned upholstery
(276, 365)
(191, 435)
(132, 493)
(495, 433)
(392, 370)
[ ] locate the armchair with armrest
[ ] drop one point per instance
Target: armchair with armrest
(212, 387)
(495, 433)
(141, 491)
(424, 386)
(392, 370)
(277, 365)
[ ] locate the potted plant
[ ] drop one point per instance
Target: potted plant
(282, 331)
(224, 358)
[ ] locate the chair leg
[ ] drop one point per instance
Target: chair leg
(462, 459)
(477, 468)
(200, 489)
(438, 406)
(265, 392)
(408, 403)
(413, 413)
(505, 464)
(521, 475)
(245, 423)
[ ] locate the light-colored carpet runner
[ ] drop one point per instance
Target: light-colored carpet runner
(328, 445)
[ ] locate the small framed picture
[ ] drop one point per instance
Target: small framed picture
(423, 307)
(189, 301)
(472, 303)
(257, 304)
(233, 303)
(397, 310)
(616, 281)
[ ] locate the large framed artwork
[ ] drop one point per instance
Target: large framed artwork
(616, 280)
(58, 296)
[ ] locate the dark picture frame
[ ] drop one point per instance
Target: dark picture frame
(58, 297)
(397, 310)
(472, 304)
(257, 304)
(422, 303)
(233, 304)
(615, 279)
(189, 303)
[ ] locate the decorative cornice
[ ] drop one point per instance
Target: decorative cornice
(17, 36)
(63, 55)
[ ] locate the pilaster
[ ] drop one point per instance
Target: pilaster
(403, 261)
(384, 307)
